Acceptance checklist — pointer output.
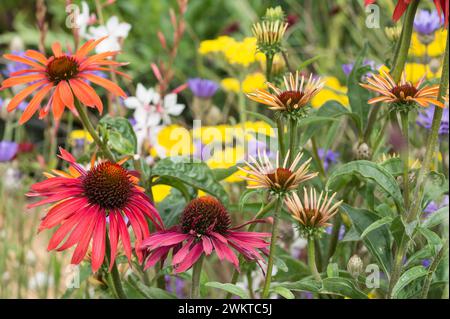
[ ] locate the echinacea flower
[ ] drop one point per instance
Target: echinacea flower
(269, 35)
(297, 94)
(402, 94)
(425, 119)
(314, 211)
(63, 77)
(85, 201)
(204, 227)
(261, 174)
(8, 150)
(202, 88)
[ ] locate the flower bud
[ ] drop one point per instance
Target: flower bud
(435, 65)
(355, 266)
(362, 151)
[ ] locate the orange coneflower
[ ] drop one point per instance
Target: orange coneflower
(279, 179)
(62, 76)
(314, 212)
(296, 95)
(403, 93)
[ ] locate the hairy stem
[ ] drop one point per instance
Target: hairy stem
(196, 272)
(312, 258)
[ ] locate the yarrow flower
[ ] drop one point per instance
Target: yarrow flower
(63, 77)
(314, 212)
(425, 119)
(297, 94)
(404, 94)
(85, 201)
(261, 174)
(204, 227)
(202, 88)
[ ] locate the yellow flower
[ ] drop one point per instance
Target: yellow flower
(212, 134)
(254, 81)
(216, 45)
(173, 140)
(257, 128)
(435, 49)
(231, 85)
(227, 158)
(333, 90)
(415, 71)
(241, 52)
(160, 192)
(80, 135)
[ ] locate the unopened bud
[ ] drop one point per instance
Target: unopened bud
(435, 65)
(362, 151)
(355, 266)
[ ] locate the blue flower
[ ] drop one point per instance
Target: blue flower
(7, 150)
(341, 235)
(427, 22)
(348, 67)
(425, 119)
(426, 263)
(433, 206)
(329, 157)
(202, 87)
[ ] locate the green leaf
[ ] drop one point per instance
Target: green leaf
(283, 292)
(408, 277)
(262, 117)
(195, 174)
(233, 289)
(171, 207)
(306, 284)
(309, 61)
(433, 239)
(437, 218)
(222, 173)
(394, 166)
(378, 241)
(343, 287)
(357, 95)
(370, 171)
(435, 186)
(333, 270)
(148, 292)
(120, 134)
(377, 224)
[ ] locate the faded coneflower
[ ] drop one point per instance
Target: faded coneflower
(314, 211)
(279, 179)
(403, 95)
(293, 99)
(63, 77)
(204, 227)
(86, 201)
(269, 35)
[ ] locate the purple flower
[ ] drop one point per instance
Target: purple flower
(426, 263)
(341, 235)
(425, 119)
(329, 157)
(433, 206)
(348, 68)
(254, 145)
(8, 150)
(179, 286)
(427, 22)
(201, 151)
(202, 87)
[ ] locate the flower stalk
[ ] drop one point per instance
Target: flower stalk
(405, 154)
(196, 272)
(312, 258)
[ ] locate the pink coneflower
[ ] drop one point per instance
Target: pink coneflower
(204, 226)
(89, 204)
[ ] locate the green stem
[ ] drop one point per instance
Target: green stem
(273, 241)
(334, 237)
(260, 214)
(269, 63)
(433, 267)
(405, 155)
(88, 126)
(405, 42)
(280, 130)
(196, 272)
(292, 139)
(317, 157)
(312, 258)
(114, 274)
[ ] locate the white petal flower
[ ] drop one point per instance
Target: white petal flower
(171, 106)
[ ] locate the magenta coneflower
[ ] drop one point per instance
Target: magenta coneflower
(204, 226)
(91, 203)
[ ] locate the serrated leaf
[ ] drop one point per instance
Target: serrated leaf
(376, 224)
(233, 289)
(195, 174)
(408, 277)
(373, 172)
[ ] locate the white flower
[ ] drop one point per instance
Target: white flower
(115, 31)
(40, 280)
(170, 107)
(84, 19)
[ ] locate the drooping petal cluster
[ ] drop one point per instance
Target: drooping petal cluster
(204, 227)
(94, 205)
